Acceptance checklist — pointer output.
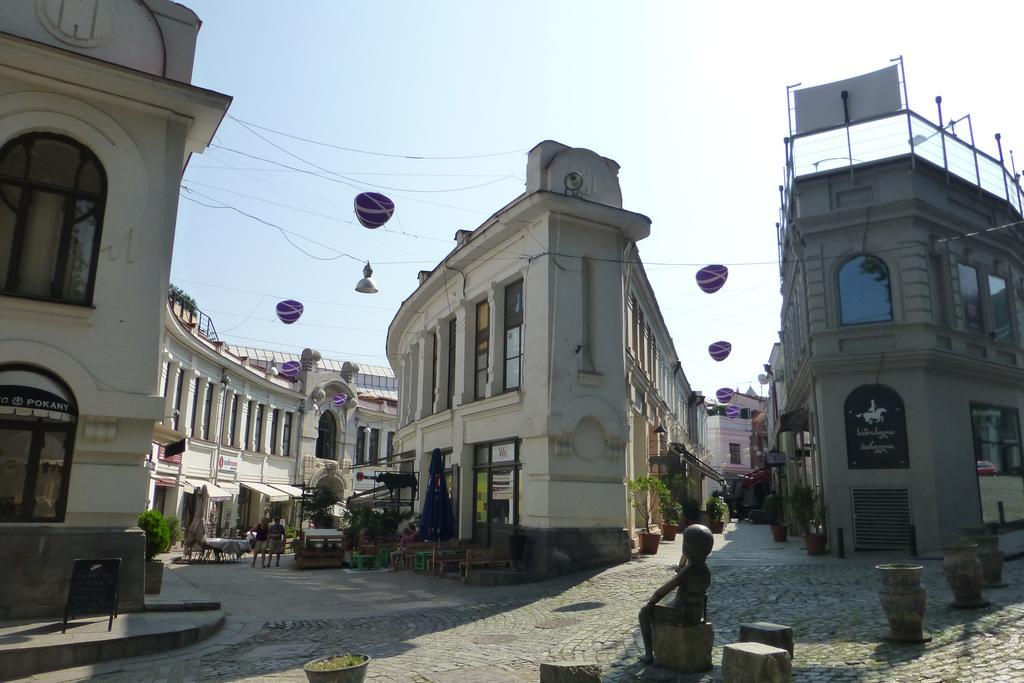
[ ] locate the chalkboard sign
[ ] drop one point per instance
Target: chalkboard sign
(93, 590)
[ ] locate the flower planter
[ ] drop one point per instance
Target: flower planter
(689, 522)
(815, 544)
(991, 559)
(648, 542)
(717, 526)
(963, 573)
(779, 532)
(669, 531)
(154, 577)
(319, 671)
(903, 601)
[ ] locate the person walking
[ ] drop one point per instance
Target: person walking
(276, 533)
(262, 531)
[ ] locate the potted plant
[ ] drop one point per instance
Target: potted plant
(671, 513)
(809, 515)
(717, 510)
(641, 491)
(158, 540)
(773, 506)
(347, 668)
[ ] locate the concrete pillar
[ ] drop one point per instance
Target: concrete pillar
(189, 396)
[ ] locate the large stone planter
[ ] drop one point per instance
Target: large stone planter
(903, 601)
(963, 573)
(648, 542)
(991, 559)
(154, 577)
(352, 674)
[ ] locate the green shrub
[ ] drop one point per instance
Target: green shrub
(640, 491)
(774, 505)
(717, 509)
(158, 533)
(291, 532)
(175, 527)
(803, 501)
(671, 511)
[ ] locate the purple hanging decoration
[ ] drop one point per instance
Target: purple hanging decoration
(288, 311)
(732, 412)
(724, 395)
(720, 350)
(373, 209)
(290, 369)
(339, 400)
(711, 278)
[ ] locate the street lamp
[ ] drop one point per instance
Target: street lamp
(367, 285)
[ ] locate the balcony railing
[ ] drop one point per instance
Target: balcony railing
(892, 136)
(192, 317)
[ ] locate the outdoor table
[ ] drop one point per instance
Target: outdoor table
(232, 546)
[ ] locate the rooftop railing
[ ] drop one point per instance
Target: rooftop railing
(891, 136)
(185, 311)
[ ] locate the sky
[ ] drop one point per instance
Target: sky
(688, 98)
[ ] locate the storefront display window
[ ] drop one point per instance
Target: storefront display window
(37, 431)
(997, 453)
(497, 485)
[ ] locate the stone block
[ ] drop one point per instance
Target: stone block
(570, 671)
(755, 663)
(776, 635)
(682, 648)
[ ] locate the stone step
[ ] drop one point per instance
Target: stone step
(28, 648)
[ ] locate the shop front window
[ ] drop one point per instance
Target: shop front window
(496, 491)
(997, 452)
(37, 431)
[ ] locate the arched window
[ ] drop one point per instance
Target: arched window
(52, 192)
(864, 295)
(327, 434)
(37, 438)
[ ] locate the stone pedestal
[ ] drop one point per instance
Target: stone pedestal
(571, 671)
(755, 663)
(765, 633)
(678, 647)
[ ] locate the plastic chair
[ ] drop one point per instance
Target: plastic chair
(362, 561)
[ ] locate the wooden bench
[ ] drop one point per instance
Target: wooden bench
(484, 558)
(445, 558)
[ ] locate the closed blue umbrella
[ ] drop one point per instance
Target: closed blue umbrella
(438, 520)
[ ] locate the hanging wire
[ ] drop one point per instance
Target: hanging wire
(363, 182)
(418, 157)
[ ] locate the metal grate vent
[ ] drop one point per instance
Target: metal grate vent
(881, 519)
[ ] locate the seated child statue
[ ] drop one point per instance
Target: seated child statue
(691, 583)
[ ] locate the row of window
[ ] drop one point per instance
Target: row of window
(865, 297)
(641, 342)
(249, 438)
(371, 455)
(512, 349)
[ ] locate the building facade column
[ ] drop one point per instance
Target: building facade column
(173, 368)
(496, 343)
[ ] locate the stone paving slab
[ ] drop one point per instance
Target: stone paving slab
(422, 629)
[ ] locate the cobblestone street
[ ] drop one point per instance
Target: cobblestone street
(422, 629)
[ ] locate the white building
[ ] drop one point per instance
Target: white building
(731, 440)
(251, 435)
(97, 121)
(512, 360)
